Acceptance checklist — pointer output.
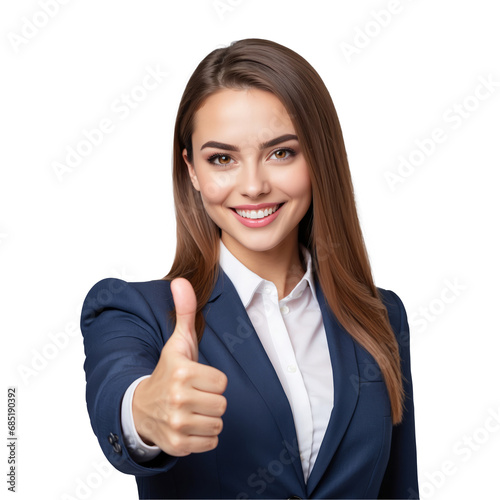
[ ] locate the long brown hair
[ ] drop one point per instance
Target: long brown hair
(330, 229)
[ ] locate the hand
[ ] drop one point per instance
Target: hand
(179, 408)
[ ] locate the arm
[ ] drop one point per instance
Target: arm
(179, 407)
(123, 342)
(400, 479)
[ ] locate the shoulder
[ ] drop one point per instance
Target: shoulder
(113, 303)
(113, 292)
(397, 315)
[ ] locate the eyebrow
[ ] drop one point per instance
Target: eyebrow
(263, 145)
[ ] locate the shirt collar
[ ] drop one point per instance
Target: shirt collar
(247, 283)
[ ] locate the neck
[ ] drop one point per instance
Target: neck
(283, 265)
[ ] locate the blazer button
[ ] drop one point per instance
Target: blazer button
(112, 438)
(294, 497)
(113, 441)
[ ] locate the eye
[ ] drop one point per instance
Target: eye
(283, 154)
(220, 159)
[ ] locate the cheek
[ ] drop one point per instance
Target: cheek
(298, 185)
(215, 187)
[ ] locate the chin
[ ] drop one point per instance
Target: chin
(258, 245)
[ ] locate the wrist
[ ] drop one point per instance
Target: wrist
(143, 422)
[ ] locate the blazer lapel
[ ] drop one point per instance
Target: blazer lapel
(346, 389)
(227, 317)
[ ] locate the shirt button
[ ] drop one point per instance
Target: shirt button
(291, 368)
(267, 290)
(284, 309)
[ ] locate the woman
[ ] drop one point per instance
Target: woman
(266, 364)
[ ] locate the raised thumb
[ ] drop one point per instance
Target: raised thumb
(185, 313)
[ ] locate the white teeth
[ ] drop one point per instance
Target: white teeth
(257, 214)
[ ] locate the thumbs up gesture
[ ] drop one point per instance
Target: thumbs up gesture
(179, 408)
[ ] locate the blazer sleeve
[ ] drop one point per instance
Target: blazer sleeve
(400, 478)
(122, 340)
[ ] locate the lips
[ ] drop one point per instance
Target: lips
(257, 218)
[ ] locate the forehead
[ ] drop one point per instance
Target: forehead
(241, 116)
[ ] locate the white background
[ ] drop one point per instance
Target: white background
(434, 236)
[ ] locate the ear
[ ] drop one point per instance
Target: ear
(192, 173)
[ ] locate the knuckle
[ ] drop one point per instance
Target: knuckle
(176, 399)
(177, 446)
(223, 405)
(177, 423)
(217, 426)
(181, 374)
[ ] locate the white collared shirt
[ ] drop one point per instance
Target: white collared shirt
(292, 333)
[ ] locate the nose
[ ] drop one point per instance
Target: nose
(253, 180)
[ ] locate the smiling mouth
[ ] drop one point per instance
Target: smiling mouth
(258, 214)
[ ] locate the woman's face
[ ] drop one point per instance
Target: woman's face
(249, 168)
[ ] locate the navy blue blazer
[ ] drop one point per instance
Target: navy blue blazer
(125, 326)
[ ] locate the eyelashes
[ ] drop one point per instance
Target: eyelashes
(223, 159)
(217, 156)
